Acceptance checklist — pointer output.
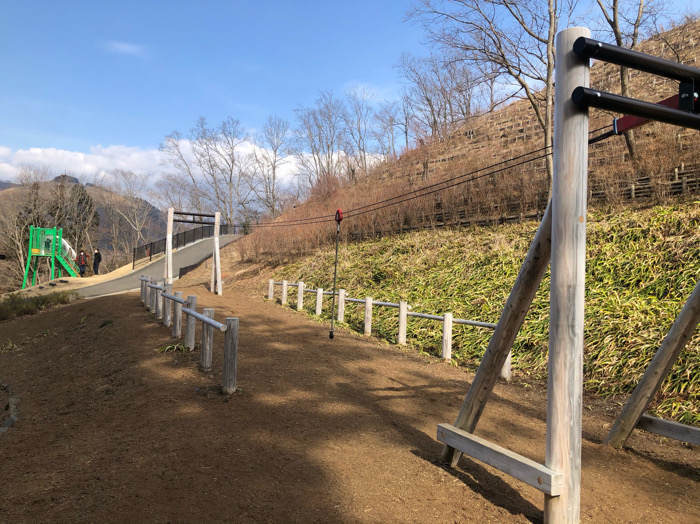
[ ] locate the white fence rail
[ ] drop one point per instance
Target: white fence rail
(447, 319)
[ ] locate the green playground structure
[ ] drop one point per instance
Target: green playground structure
(49, 242)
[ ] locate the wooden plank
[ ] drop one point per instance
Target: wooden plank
(670, 429)
(568, 278)
(678, 336)
(518, 466)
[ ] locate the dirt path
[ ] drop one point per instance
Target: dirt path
(110, 429)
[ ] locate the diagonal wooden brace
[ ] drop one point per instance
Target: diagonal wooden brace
(529, 278)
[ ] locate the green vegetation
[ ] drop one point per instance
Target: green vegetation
(641, 267)
(9, 347)
(16, 304)
(173, 348)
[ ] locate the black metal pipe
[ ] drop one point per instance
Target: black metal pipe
(181, 221)
(585, 97)
(590, 48)
(193, 214)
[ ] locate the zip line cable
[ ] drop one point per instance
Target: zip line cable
(328, 218)
(421, 192)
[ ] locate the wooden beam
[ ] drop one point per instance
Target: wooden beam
(678, 336)
(670, 429)
(518, 466)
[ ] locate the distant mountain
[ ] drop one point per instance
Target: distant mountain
(5, 185)
(66, 179)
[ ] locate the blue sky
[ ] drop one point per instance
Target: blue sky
(93, 86)
(79, 74)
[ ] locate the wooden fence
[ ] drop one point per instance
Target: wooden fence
(159, 299)
(404, 308)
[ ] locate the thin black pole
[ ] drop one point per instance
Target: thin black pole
(338, 218)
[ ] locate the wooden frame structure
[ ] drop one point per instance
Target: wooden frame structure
(561, 237)
(216, 285)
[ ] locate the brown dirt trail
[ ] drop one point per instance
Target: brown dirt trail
(343, 430)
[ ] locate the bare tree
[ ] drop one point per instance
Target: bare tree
(514, 37)
(218, 173)
(126, 199)
(387, 124)
(441, 91)
(319, 142)
(358, 133)
(626, 20)
(269, 156)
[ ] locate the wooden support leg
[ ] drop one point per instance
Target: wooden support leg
(512, 316)
(678, 336)
(567, 292)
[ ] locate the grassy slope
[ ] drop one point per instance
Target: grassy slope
(641, 267)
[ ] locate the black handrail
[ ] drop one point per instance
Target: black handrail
(179, 240)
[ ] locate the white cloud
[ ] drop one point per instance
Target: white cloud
(125, 48)
(97, 162)
(101, 160)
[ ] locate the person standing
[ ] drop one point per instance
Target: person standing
(96, 259)
(82, 262)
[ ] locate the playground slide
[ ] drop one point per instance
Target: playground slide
(67, 265)
(68, 249)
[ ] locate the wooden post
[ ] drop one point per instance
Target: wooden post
(207, 341)
(143, 289)
(168, 270)
(531, 273)
(191, 325)
(228, 385)
(506, 373)
(270, 289)
(678, 336)
(216, 284)
(167, 306)
(403, 322)
(341, 305)
(149, 301)
(177, 317)
(368, 316)
(565, 365)
(159, 304)
(447, 336)
(284, 293)
(319, 301)
(300, 296)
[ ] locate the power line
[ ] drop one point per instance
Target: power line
(431, 188)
